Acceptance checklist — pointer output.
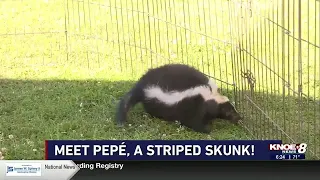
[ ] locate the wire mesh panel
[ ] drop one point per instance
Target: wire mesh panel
(264, 54)
(278, 64)
(133, 35)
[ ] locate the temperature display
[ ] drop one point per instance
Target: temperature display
(288, 156)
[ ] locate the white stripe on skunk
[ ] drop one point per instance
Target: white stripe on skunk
(173, 97)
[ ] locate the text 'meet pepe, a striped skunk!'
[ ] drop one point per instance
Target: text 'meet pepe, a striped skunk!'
(154, 150)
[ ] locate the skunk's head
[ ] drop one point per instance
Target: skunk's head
(226, 110)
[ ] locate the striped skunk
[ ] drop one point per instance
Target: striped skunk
(178, 92)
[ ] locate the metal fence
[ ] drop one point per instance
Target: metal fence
(265, 53)
(277, 60)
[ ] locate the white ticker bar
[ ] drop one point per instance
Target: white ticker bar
(37, 169)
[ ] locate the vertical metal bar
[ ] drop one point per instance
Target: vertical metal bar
(317, 126)
(300, 67)
(237, 51)
(268, 123)
(133, 30)
(84, 14)
(140, 31)
(260, 83)
(266, 62)
(176, 28)
(273, 90)
(161, 7)
(134, 33)
(66, 16)
(149, 33)
(238, 62)
(288, 51)
(241, 57)
(211, 32)
(185, 31)
(123, 36)
(145, 34)
(190, 26)
(101, 31)
(278, 53)
(205, 31)
(255, 49)
(315, 72)
(73, 16)
(172, 28)
(292, 76)
(195, 25)
(232, 52)
(79, 19)
(198, 7)
(238, 59)
(90, 30)
(111, 19)
(168, 39)
(248, 55)
(224, 46)
(149, 30)
(158, 3)
(79, 26)
(308, 70)
(154, 30)
(263, 64)
(283, 64)
(118, 34)
(88, 59)
(181, 40)
(217, 30)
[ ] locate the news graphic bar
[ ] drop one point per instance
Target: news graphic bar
(160, 150)
(64, 170)
(146, 170)
(37, 169)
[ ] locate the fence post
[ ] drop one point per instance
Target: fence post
(66, 12)
(300, 67)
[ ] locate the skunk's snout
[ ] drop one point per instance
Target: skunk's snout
(236, 119)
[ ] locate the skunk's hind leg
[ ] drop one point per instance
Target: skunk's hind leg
(197, 122)
(193, 115)
(198, 127)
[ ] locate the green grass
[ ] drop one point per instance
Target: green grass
(39, 110)
(65, 64)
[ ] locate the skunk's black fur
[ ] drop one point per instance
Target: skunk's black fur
(193, 112)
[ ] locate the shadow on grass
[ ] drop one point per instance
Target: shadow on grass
(32, 111)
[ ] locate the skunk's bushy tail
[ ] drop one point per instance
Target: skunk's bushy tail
(133, 97)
